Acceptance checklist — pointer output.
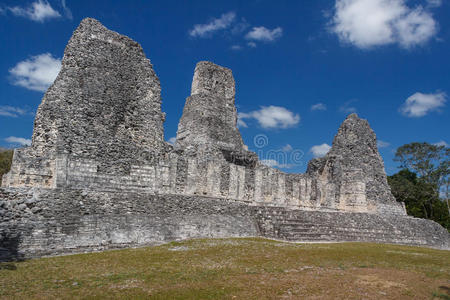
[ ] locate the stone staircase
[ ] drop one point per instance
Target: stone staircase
(317, 226)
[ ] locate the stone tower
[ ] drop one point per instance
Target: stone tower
(209, 115)
(104, 104)
(355, 168)
(104, 107)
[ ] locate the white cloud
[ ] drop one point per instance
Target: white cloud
(271, 117)
(273, 163)
(172, 140)
(416, 28)
(205, 30)
(36, 73)
(347, 107)
(441, 143)
(419, 105)
(369, 23)
(320, 150)
(67, 11)
(251, 44)
(241, 123)
(236, 47)
(287, 148)
(240, 27)
(319, 106)
(434, 3)
(264, 34)
(38, 11)
(12, 111)
(18, 140)
(382, 144)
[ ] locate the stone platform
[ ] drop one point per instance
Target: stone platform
(48, 222)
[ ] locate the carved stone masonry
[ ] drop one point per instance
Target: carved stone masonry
(99, 174)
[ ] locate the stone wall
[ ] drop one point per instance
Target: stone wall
(30, 170)
(38, 222)
(48, 222)
(177, 174)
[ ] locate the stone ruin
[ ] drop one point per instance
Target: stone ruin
(99, 174)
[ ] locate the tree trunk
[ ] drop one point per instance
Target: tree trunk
(446, 196)
(425, 211)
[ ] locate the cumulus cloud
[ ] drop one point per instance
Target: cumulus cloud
(12, 111)
(369, 23)
(38, 11)
(264, 34)
(18, 141)
(319, 106)
(172, 140)
(320, 150)
(419, 105)
(236, 47)
(36, 73)
(251, 44)
(206, 30)
(347, 107)
(382, 144)
(441, 143)
(271, 117)
(275, 164)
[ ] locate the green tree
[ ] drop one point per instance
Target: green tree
(5, 162)
(419, 197)
(431, 163)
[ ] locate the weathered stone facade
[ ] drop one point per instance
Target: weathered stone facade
(353, 170)
(104, 105)
(99, 175)
(210, 116)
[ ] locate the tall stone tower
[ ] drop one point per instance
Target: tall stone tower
(355, 169)
(105, 102)
(209, 115)
(104, 106)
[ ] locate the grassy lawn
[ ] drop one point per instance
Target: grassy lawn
(235, 269)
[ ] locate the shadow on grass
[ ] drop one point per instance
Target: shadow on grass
(8, 266)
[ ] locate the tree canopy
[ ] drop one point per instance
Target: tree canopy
(421, 182)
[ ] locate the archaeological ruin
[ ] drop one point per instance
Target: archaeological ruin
(99, 174)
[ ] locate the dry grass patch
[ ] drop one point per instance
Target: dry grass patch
(235, 269)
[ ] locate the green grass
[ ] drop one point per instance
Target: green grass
(235, 269)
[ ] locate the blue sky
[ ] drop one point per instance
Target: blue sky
(300, 68)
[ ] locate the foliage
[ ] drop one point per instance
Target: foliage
(234, 269)
(431, 163)
(419, 196)
(5, 162)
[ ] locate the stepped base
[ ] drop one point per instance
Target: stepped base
(38, 222)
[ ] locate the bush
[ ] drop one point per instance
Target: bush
(5, 162)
